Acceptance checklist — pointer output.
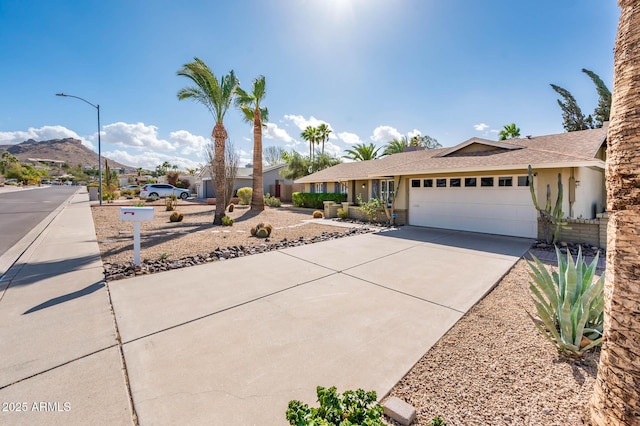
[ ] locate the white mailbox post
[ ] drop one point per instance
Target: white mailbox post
(136, 215)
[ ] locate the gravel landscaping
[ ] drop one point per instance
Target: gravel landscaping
(493, 367)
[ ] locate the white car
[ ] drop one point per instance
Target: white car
(163, 190)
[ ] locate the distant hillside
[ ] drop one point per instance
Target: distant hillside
(68, 150)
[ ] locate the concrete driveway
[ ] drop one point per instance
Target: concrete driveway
(232, 342)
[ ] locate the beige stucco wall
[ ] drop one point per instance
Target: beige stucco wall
(590, 192)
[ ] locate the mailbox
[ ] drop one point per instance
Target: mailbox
(136, 214)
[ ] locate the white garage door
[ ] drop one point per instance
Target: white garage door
(502, 210)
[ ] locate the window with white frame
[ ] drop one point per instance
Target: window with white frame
(386, 191)
(319, 188)
(344, 187)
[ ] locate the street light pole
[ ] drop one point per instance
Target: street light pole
(97, 107)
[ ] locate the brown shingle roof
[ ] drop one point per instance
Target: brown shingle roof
(564, 149)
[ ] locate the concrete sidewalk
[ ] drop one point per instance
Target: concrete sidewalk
(61, 363)
(229, 342)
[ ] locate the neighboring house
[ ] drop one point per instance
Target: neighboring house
(272, 182)
(479, 185)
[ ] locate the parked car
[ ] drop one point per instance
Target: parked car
(163, 190)
(130, 187)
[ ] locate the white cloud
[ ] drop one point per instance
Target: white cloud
(189, 142)
(149, 159)
(302, 122)
(43, 133)
(333, 150)
(414, 132)
(272, 131)
(350, 138)
(385, 134)
(139, 136)
(480, 127)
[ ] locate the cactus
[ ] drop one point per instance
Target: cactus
(262, 233)
(254, 229)
(231, 208)
(550, 218)
(318, 214)
(176, 217)
(261, 230)
(269, 228)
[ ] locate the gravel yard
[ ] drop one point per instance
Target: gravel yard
(492, 368)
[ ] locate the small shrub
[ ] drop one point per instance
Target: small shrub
(438, 421)
(107, 196)
(245, 195)
(370, 207)
(318, 214)
(227, 221)
(126, 192)
(176, 217)
(139, 204)
(152, 198)
(315, 200)
(569, 303)
(351, 408)
(272, 201)
(343, 213)
(171, 202)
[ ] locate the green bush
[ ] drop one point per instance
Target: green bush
(314, 201)
(245, 195)
(569, 303)
(227, 221)
(272, 201)
(343, 213)
(351, 408)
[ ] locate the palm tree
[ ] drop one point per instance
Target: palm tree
(310, 134)
(509, 131)
(249, 104)
(362, 152)
(216, 95)
(616, 396)
(396, 146)
(323, 134)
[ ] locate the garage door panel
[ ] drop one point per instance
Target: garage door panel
(504, 211)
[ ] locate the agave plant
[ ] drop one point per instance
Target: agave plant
(569, 303)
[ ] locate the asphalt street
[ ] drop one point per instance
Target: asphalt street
(21, 210)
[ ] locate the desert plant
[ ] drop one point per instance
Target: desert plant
(351, 408)
(245, 195)
(318, 214)
(437, 421)
(550, 218)
(230, 208)
(152, 198)
(227, 221)
(343, 213)
(370, 207)
(171, 202)
(139, 204)
(272, 201)
(176, 217)
(261, 230)
(569, 303)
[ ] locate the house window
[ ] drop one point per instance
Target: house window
(441, 183)
(386, 191)
(470, 182)
(505, 181)
(486, 181)
(427, 183)
(455, 182)
(415, 183)
(344, 187)
(319, 187)
(523, 180)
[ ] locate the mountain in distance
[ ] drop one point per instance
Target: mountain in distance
(69, 150)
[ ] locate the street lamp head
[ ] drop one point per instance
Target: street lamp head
(60, 94)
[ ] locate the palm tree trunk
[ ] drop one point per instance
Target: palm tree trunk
(257, 199)
(616, 396)
(219, 136)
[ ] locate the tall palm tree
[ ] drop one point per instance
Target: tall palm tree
(362, 152)
(216, 95)
(509, 131)
(310, 134)
(249, 104)
(616, 397)
(323, 134)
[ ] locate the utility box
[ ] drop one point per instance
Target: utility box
(136, 214)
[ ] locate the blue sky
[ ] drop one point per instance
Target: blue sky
(371, 69)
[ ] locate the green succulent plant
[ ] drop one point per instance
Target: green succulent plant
(569, 303)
